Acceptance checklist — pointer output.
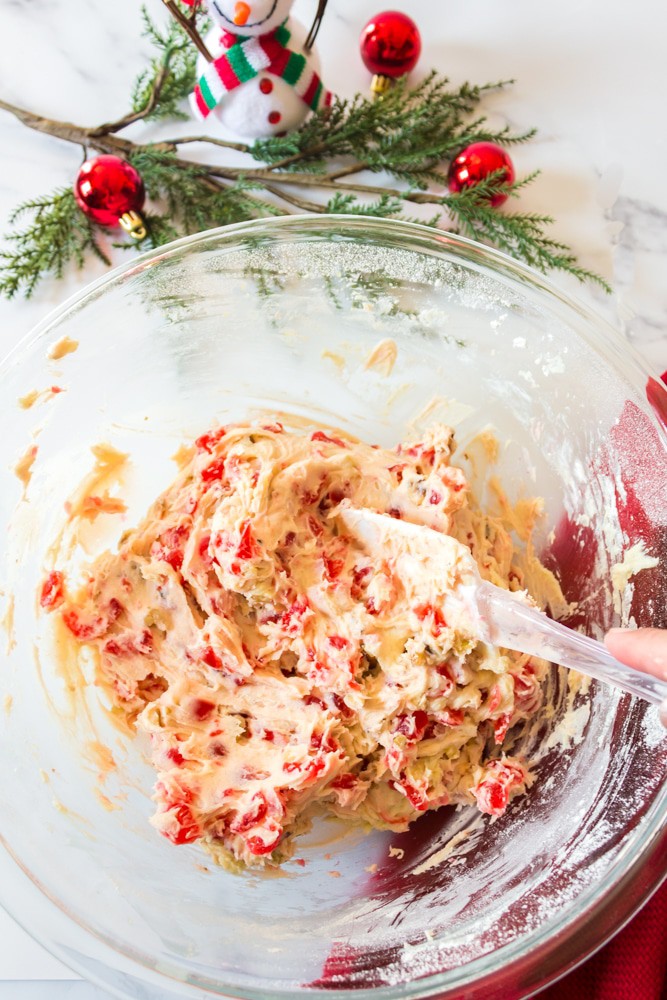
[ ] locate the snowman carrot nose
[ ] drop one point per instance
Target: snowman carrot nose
(241, 13)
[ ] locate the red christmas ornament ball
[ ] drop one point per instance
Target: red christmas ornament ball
(390, 44)
(475, 163)
(107, 187)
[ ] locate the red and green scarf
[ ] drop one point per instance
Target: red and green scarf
(247, 58)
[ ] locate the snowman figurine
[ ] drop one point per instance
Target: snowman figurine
(262, 80)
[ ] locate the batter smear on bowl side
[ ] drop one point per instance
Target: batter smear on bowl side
(280, 670)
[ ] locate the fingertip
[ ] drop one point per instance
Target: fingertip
(612, 636)
(616, 640)
(617, 631)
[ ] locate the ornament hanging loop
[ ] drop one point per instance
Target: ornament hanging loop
(133, 225)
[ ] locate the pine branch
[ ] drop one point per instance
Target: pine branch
(406, 133)
(519, 234)
(161, 230)
(409, 134)
(161, 88)
(385, 207)
(56, 234)
(178, 59)
(195, 201)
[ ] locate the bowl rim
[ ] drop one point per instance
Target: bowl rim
(562, 942)
(519, 979)
(357, 225)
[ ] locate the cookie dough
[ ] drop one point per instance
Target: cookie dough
(277, 668)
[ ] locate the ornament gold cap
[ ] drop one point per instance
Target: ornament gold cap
(133, 224)
(380, 84)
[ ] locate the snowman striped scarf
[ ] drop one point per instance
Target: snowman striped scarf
(247, 58)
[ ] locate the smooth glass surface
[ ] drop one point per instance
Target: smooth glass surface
(282, 315)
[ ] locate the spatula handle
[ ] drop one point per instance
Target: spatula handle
(510, 623)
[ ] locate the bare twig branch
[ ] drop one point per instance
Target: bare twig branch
(170, 145)
(135, 116)
(115, 144)
(352, 168)
(69, 132)
(313, 152)
(262, 176)
(414, 133)
(303, 204)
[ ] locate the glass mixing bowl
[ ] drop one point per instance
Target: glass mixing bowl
(282, 315)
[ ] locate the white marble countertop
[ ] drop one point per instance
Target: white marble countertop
(591, 76)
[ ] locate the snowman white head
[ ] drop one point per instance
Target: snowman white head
(249, 17)
(263, 77)
(257, 17)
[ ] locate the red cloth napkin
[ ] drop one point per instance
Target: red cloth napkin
(633, 966)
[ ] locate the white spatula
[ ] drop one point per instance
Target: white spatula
(497, 616)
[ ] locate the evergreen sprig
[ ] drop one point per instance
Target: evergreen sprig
(409, 134)
(57, 233)
(520, 234)
(171, 71)
(193, 202)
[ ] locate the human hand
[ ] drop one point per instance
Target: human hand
(643, 649)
